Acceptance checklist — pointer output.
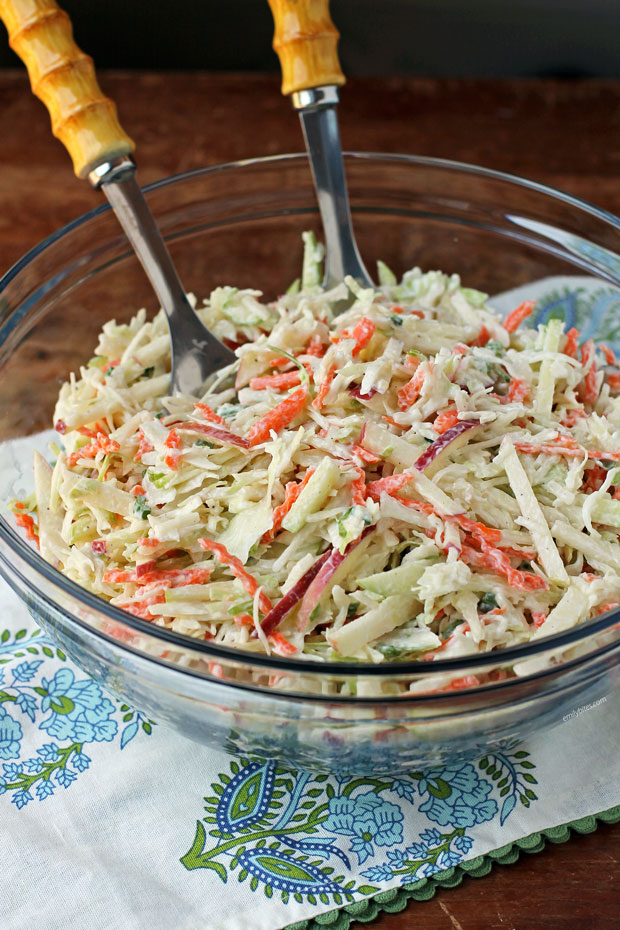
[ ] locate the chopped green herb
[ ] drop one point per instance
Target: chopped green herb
(148, 372)
(495, 347)
(205, 442)
(396, 320)
(352, 610)
(487, 602)
(141, 507)
(450, 627)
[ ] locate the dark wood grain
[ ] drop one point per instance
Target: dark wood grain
(563, 133)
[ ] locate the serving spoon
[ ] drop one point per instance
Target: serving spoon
(86, 122)
(305, 41)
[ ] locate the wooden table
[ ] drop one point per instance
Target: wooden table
(563, 133)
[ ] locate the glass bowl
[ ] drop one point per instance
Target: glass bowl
(240, 224)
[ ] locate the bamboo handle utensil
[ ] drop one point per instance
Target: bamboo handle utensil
(305, 40)
(85, 121)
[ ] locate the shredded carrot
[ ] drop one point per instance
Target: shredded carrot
(412, 362)
(85, 431)
(458, 684)
(609, 355)
(364, 454)
(170, 577)
(143, 446)
(148, 542)
(594, 477)
(316, 347)
(173, 440)
(279, 417)
(460, 349)
(484, 535)
(279, 382)
(518, 390)
(324, 387)
(572, 416)
(482, 338)
(570, 346)
(613, 380)
(603, 608)
(389, 485)
(282, 644)
(408, 394)
(445, 420)
(226, 558)
(516, 317)
(589, 393)
(393, 422)
(243, 620)
(291, 493)
(497, 561)
(137, 489)
(362, 333)
(358, 487)
(141, 608)
(538, 617)
(26, 522)
(210, 414)
(172, 460)
(20, 505)
(567, 447)
(101, 444)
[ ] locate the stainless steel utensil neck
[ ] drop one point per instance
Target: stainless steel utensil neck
(319, 121)
(196, 353)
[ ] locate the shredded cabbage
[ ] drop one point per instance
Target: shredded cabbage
(363, 488)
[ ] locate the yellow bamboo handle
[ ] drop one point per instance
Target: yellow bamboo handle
(63, 77)
(305, 40)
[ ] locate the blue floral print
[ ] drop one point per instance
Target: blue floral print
(36, 695)
(457, 795)
(290, 833)
(10, 735)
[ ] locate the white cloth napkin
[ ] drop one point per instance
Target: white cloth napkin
(108, 820)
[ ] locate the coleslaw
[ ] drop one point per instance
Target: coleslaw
(414, 478)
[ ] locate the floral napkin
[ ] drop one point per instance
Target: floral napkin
(126, 825)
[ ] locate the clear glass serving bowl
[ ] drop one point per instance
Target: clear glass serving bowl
(241, 224)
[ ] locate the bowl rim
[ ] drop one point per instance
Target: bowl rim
(282, 664)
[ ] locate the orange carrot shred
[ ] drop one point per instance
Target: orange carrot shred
(210, 414)
(364, 454)
(408, 394)
(279, 417)
(570, 346)
(173, 440)
(27, 523)
(324, 387)
(589, 393)
(516, 317)
(445, 420)
(518, 390)
(291, 493)
(315, 347)
(279, 382)
(282, 644)
(236, 566)
(610, 358)
(362, 332)
(102, 443)
(358, 487)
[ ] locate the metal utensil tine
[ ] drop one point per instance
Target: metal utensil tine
(196, 352)
(319, 121)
